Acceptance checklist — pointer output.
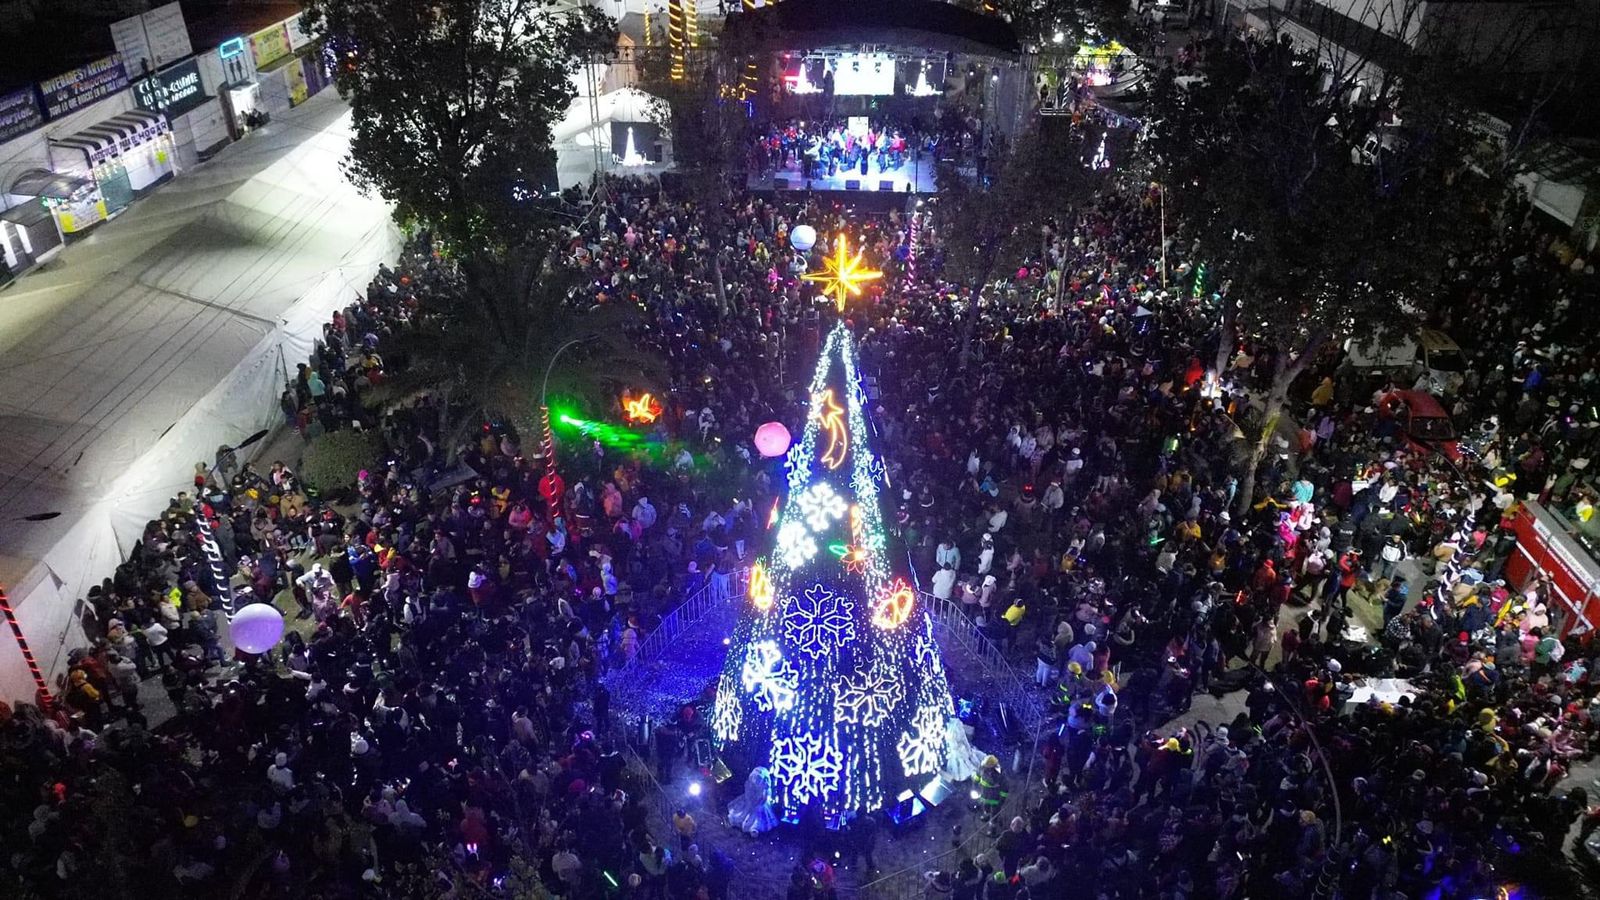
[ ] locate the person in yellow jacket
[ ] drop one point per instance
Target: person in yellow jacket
(990, 790)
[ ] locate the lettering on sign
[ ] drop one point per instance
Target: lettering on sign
(83, 86)
(174, 92)
(19, 114)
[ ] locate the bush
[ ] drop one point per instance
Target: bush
(332, 460)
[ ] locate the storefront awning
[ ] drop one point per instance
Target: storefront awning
(46, 184)
(107, 134)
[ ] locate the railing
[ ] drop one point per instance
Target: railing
(1016, 692)
(1004, 683)
(718, 589)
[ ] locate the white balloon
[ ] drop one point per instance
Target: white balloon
(803, 237)
(257, 628)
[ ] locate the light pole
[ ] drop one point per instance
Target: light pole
(550, 486)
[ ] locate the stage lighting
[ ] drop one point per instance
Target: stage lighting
(1057, 38)
(975, 795)
(694, 788)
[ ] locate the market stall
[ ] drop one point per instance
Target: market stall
(124, 154)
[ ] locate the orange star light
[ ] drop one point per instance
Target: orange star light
(843, 274)
(642, 409)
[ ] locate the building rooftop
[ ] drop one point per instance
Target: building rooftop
(59, 37)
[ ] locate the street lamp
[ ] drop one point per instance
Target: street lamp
(550, 486)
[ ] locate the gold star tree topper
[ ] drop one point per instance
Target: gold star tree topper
(842, 274)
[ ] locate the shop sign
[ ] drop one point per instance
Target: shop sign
(83, 86)
(19, 114)
(151, 40)
(296, 29)
(174, 91)
(270, 45)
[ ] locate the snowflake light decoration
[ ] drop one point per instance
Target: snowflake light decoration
(922, 748)
(821, 505)
(795, 544)
(727, 713)
(769, 677)
(799, 468)
(869, 699)
(819, 620)
(807, 765)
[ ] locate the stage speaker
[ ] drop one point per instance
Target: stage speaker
(852, 184)
(781, 184)
(886, 185)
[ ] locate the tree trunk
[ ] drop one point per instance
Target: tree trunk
(716, 278)
(1225, 337)
(1269, 427)
(1284, 374)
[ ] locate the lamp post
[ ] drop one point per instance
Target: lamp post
(551, 486)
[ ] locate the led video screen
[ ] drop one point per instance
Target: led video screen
(862, 74)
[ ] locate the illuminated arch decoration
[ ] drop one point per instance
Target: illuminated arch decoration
(838, 681)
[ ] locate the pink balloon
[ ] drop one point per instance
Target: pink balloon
(257, 628)
(772, 439)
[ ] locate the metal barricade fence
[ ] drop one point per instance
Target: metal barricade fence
(717, 590)
(1004, 684)
(1013, 689)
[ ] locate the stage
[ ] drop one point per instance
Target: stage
(912, 177)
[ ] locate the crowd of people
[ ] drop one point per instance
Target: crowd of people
(825, 149)
(1066, 470)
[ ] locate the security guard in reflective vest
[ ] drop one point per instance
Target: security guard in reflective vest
(991, 783)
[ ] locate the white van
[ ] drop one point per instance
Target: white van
(1430, 352)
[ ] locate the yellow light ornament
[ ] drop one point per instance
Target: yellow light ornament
(761, 591)
(842, 274)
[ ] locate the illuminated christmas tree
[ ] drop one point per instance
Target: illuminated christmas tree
(833, 679)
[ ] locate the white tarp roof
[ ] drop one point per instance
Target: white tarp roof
(161, 337)
(620, 105)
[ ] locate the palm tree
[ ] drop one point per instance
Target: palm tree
(514, 324)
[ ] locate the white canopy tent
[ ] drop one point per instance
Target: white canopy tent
(166, 337)
(587, 126)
